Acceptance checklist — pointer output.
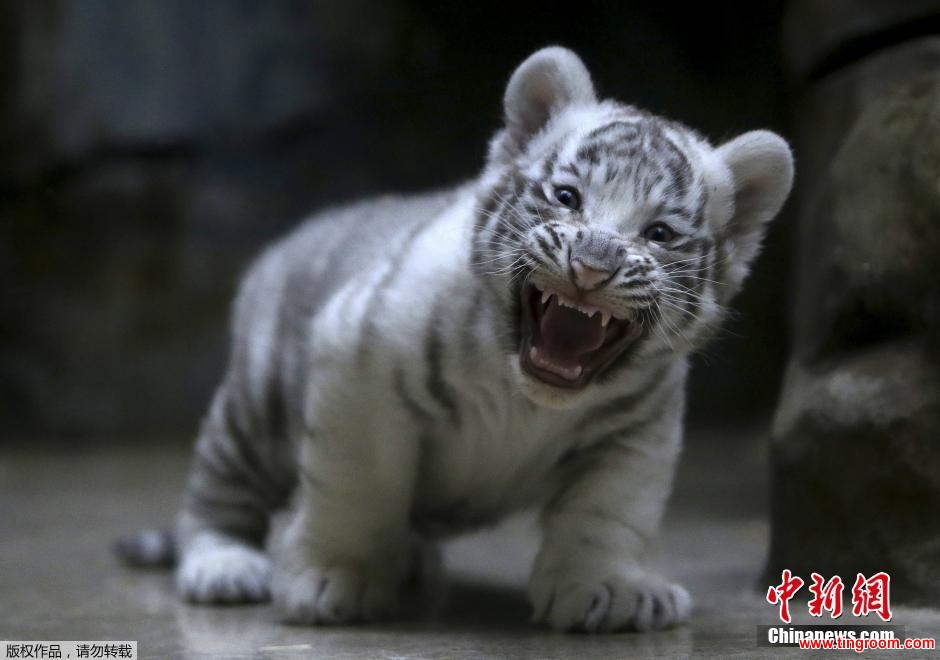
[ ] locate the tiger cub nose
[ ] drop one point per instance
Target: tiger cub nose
(587, 277)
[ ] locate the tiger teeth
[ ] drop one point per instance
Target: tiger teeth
(539, 360)
(588, 310)
(584, 309)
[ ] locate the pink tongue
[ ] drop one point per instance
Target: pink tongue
(567, 334)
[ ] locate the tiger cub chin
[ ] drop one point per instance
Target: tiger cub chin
(413, 367)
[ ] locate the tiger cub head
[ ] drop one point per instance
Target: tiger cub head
(612, 237)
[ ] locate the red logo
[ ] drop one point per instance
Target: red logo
(872, 595)
(782, 593)
(827, 596)
(869, 595)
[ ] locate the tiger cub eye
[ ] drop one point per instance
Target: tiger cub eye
(659, 233)
(568, 196)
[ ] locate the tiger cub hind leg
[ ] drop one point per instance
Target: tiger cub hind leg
(230, 497)
(220, 569)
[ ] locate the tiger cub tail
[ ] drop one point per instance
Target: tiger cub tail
(148, 548)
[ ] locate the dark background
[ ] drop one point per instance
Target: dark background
(148, 149)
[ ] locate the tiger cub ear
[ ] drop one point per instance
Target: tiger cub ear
(550, 80)
(761, 168)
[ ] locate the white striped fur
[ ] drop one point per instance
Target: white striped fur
(376, 386)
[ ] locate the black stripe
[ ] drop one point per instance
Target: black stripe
(678, 165)
(635, 270)
(634, 428)
(634, 283)
(659, 178)
(611, 172)
(692, 297)
(246, 455)
(590, 153)
(515, 217)
(691, 244)
(627, 131)
(487, 215)
(549, 164)
(572, 169)
(503, 224)
(624, 153)
(555, 237)
(493, 229)
(467, 337)
(535, 211)
(275, 408)
(625, 359)
(376, 296)
(547, 249)
(516, 311)
(401, 389)
(534, 189)
(211, 495)
(219, 467)
(232, 472)
(626, 402)
(208, 498)
(236, 518)
(313, 482)
(698, 215)
(481, 222)
(680, 211)
(502, 216)
(439, 389)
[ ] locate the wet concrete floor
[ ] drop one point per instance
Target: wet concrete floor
(60, 509)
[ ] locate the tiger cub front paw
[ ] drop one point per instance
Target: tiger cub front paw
(607, 601)
(334, 596)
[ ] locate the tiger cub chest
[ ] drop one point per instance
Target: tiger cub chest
(500, 457)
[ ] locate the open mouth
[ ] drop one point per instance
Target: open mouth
(566, 342)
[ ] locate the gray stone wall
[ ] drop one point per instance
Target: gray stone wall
(149, 149)
(855, 458)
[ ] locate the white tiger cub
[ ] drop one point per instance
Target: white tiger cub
(408, 368)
